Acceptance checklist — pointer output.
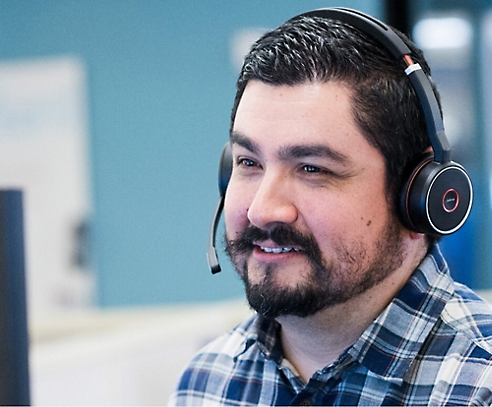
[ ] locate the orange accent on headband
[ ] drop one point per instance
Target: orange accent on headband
(408, 60)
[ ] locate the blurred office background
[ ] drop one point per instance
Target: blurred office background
(113, 114)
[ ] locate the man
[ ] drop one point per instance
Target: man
(353, 306)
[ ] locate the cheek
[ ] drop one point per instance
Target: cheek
(343, 218)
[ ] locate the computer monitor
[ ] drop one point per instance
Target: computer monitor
(14, 343)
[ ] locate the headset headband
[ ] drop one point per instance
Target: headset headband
(419, 80)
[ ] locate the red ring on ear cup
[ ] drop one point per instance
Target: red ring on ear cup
(450, 197)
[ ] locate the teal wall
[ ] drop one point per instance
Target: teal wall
(160, 89)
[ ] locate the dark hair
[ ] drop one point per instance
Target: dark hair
(385, 105)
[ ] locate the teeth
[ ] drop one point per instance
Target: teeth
(278, 250)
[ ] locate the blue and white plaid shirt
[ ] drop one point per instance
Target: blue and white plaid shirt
(432, 346)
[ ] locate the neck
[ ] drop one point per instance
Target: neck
(316, 341)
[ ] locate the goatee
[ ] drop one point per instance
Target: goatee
(328, 283)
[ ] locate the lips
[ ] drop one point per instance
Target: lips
(270, 252)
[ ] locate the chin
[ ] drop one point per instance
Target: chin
(277, 275)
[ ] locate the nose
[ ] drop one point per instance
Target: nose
(272, 204)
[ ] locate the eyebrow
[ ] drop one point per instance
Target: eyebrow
(245, 142)
(295, 151)
(313, 150)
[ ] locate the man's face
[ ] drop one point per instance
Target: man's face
(308, 223)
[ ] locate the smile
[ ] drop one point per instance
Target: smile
(278, 250)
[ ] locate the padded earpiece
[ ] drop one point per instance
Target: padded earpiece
(436, 198)
(225, 168)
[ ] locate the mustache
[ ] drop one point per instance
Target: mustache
(282, 235)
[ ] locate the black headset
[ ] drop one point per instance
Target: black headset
(437, 197)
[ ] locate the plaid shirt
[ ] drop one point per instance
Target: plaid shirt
(432, 346)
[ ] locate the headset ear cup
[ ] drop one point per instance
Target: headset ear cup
(225, 168)
(437, 197)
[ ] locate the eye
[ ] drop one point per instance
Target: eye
(246, 162)
(311, 168)
(315, 171)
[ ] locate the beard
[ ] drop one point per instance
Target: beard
(326, 284)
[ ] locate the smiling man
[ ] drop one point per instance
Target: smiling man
(355, 304)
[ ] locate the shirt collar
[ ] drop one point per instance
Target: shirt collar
(265, 333)
(393, 340)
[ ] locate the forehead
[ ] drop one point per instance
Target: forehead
(319, 113)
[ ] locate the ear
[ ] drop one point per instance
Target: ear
(415, 235)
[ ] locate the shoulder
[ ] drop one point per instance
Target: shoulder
(470, 316)
(210, 371)
(461, 312)
(457, 361)
(229, 344)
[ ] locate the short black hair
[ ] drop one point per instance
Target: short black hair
(384, 104)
